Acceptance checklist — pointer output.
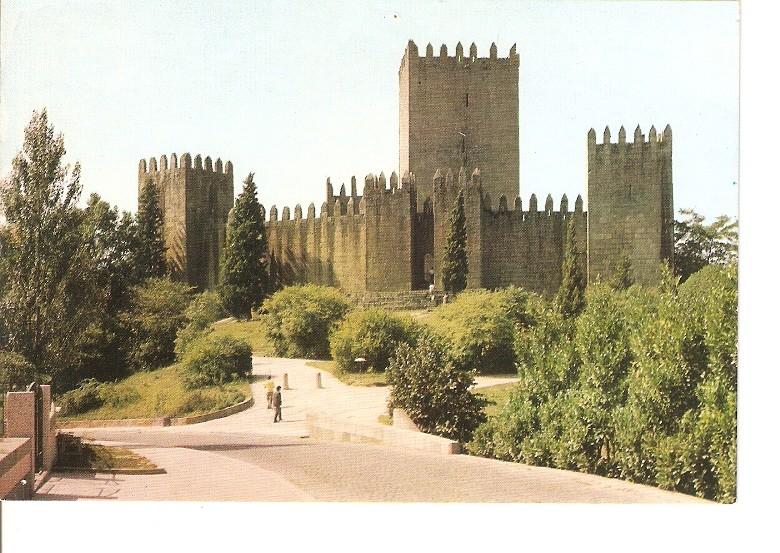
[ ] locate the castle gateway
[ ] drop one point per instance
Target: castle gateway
(459, 129)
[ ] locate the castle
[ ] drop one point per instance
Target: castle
(459, 127)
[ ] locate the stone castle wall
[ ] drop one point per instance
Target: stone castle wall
(359, 243)
(460, 111)
(630, 203)
(195, 199)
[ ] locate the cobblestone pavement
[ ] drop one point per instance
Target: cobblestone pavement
(246, 457)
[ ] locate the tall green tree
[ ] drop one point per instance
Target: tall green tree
(698, 244)
(455, 268)
(570, 299)
(244, 265)
(48, 291)
(150, 244)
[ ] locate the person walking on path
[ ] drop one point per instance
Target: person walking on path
(269, 392)
(278, 404)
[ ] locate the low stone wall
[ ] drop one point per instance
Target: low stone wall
(326, 427)
(16, 464)
(160, 421)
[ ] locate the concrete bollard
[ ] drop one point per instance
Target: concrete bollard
(319, 380)
(286, 384)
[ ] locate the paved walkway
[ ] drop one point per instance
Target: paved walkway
(247, 457)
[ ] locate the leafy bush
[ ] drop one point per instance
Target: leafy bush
(85, 397)
(301, 317)
(16, 372)
(481, 325)
(371, 334)
(434, 389)
(157, 312)
(215, 360)
(203, 310)
(642, 386)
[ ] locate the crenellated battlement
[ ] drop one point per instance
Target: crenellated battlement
(412, 55)
(175, 163)
(516, 210)
(655, 142)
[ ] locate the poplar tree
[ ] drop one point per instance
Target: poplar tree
(455, 267)
(570, 299)
(244, 264)
(150, 243)
(48, 290)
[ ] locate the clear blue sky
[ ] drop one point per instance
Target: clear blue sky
(299, 91)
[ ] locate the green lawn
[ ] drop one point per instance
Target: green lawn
(161, 393)
(252, 331)
(352, 379)
(497, 397)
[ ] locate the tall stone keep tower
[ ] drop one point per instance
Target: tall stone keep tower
(195, 201)
(460, 111)
(630, 204)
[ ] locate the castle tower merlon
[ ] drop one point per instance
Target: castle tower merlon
(198, 163)
(622, 135)
(518, 204)
(493, 51)
(548, 204)
(443, 52)
(142, 167)
(353, 187)
(487, 202)
(218, 166)
(382, 181)
(564, 204)
(473, 52)
(174, 164)
(273, 215)
(163, 162)
(186, 161)
(208, 166)
(459, 52)
(429, 51)
(638, 136)
(311, 212)
(503, 205)
(229, 168)
(286, 214)
(532, 204)
(578, 204)
(393, 181)
(152, 164)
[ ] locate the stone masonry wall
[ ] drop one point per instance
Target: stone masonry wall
(460, 111)
(630, 204)
(195, 201)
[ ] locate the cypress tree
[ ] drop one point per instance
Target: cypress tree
(570, 299)
(455, 268)
(244, 265)
(150, 244)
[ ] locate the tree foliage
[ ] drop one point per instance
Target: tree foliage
(156, 313)
(244, 281)
(622, 276)
(300, 318)
(640, 386)
(47, 277)
(571, 294)
(434, 389)
(455, 267)
(698, 244)
(149, 259)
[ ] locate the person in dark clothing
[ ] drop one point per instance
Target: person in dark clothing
(278, 404)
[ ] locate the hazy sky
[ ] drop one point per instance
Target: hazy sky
(299, 91)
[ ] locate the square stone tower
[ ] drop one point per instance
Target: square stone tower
(195, 201)
(460, 111)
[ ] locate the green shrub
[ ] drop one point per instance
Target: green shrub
(481, 325)
(371, 334)
(434, 389)
(215, 360)
(641, 386)
(301, 317)
(16, 372)
(114, 396)
(157, 312)
(203, 310)
(86, 396)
